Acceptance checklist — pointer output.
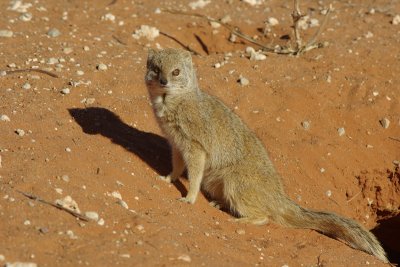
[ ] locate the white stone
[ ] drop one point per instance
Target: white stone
(341, 131)
(53, 32)
(20, 264)
(65, 91)
(146, 31)
(385, 122)
(199, 4)
(102, 67)
(4, 118)
(6, 33)
(396, 20)
(92, 215)
(271, 21)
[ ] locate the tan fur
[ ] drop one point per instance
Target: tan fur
(224, 157)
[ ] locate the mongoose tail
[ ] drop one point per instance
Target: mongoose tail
(332, 225)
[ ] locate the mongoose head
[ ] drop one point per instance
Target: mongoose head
(170, 71)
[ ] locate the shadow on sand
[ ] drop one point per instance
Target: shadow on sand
(153, 149)
(388, 233)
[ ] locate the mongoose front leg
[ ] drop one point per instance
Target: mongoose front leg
(195, 163)
(178, 165)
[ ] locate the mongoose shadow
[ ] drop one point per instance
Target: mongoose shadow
(388, 232)
(153, 149)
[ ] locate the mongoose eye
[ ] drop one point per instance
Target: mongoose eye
(176, 72)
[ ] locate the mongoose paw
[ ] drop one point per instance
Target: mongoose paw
(186, 200)
(166, 179)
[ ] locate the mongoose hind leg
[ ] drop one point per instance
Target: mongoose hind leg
(252, 220)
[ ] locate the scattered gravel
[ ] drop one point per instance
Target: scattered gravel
(396, 20)
(92, 215)
(65, 91)
(53, 32)
(6, 33)
(306, 125)
(68, 50)
(146, 31)
(4, 118)
(272, 21)
(255, 55)
(243, 81)
(102, 67)
(185, 258)
(240, 231)
(68, 203)
(328, 193)
(20, 264)
(123, 204)
(341, 131)
(26, 86)
(385, 122)
(101, 222)
(65, 178)
(20, 132)
(199, 4)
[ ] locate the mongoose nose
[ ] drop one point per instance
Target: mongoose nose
(163, 81)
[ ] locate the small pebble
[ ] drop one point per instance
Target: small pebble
(92, 215)
(122, 203)
(116, 194)
(2, 258)
(67, 149)
(140, 227)
(65, 178)
(59, 191)
(185, 258)
(328, 193)
(305, 124)
(43, 230)
(4, 118)
(101, 222)
(20, 264)
(102, 67)
(65, 91)
(26, 86)
(272, 21)
(243, 81)
(240, 231)
(20, 132)
(341, 131)
(67, 50)
(385, 122)
(396, 20)
(79, 72)
(53, 32)
(27, 222)
(6, 33)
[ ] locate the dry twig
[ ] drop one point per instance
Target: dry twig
(296, 15)
(73, 213)
(31, 70)
(180, 43)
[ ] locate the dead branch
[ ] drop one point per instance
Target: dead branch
(73, 213)
(296, 15)
(31, 70)
(180, 43)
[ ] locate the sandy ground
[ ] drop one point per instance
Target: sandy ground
(100, 144)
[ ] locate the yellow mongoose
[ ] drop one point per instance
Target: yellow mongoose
(224, 157)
